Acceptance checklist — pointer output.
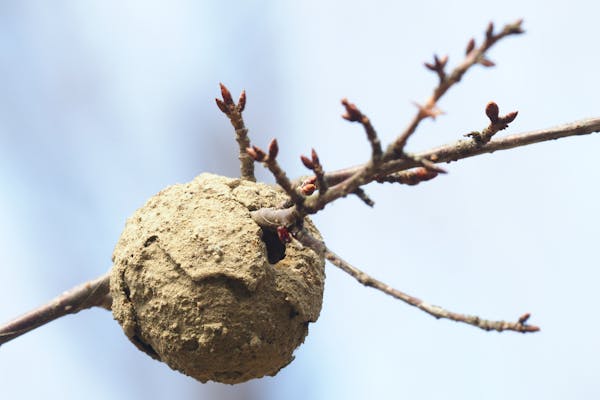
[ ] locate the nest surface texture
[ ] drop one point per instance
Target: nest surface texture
(197, 284)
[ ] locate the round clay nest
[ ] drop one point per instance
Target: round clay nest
(197, 284)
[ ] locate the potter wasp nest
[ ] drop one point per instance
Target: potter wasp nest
(197, 284)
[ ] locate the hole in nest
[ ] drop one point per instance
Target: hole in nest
(275, 249)
(150, 240)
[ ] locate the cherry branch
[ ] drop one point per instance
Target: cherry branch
(90, 294)
(270, 161)
(234, 113)
(474, 55)
(497, 123)
(304, 237)
(376, 167)
(314, 164)
(469, 148)
(398, 170)
(404, 171)
(396, 166)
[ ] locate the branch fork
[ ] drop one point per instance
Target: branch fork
(393, 165)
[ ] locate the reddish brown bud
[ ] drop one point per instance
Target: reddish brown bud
(470, 46)
(352, 114)
(418, 175)
(489, 33)
(429, 66)
(315, 157)
(425, 174)
(491, 110)
(308, 189)
(510, 117)
(273, 149)
(222, 106)
(523, 318)
(307, 162)
(441, 62)
(438, 64)
(242, 101)
(226, 94)
(487, 62)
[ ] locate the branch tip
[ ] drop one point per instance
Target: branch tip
(222, 106)
(226, 94)
(364, 197)
(470, 46)
(516, 28)
(523, 318)
(486, 62)
(307, 162)
(352, 113)
(315, 157)
(304, 237)
(273, 149)
(438, 66)
(242, 101)
(489, 32)
(492, 110)
(234, 114)
(510, 117)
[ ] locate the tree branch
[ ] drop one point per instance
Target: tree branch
(234, 113)
(90, 294)
(271, 218)
(474, 55)
(469, 148)
(520, 325)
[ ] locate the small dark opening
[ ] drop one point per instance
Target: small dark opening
(150, 240)
(275, 249)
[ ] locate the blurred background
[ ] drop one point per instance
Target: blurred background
(104, 103)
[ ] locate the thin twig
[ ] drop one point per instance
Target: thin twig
(376, 166)
(270, 161)
(470, 148)
(314, 164)
(308, 240)
(353, 114)
(364, 197)
(234, 113)
(353, 183)
(90, 294)
(475, 55)
(447, 153)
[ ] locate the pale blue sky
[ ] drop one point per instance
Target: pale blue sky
(103, 104)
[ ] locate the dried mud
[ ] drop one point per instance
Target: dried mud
(194, 285)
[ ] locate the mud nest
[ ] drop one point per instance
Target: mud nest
(197, 284)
